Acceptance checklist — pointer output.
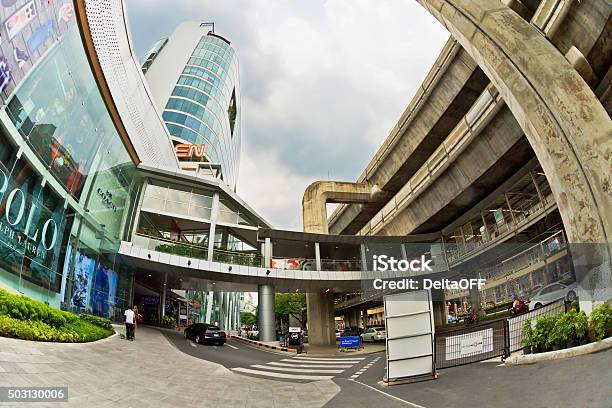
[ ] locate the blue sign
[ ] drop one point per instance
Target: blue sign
(350, 341)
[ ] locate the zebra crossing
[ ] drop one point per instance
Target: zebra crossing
(301, 368)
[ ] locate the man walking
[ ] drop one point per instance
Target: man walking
(129, 323)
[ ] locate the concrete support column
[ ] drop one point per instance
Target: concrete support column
(267, 253)
(163, 296)
(475, 300)
(364, 259)
(317, 256)
(265, 321)
(209, 306)
(321, 328)
(364, 318)
(213, 223)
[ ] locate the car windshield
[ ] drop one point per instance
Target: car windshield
(212, 328)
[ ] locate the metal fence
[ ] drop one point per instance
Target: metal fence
(471, 344)
(515, 324)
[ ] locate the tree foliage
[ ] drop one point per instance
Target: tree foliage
(290, 304)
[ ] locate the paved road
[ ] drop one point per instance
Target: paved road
(584, 381)
(253, 361)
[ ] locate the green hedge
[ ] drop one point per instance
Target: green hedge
(568, 329)
(28, 319)
(97, 320)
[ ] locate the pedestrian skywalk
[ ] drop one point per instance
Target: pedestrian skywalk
(301, 368)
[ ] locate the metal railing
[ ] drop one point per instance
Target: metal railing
(456, 252)
(536, 253)
(515, 324)
(197, 251)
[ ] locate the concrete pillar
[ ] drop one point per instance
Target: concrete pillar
(162, 301)
(320, 192)
(321, 328)
(267, 253)
(364, 318)
(475, 300)
(265, 322)
(353, 318)
(213, 223)
(564, 122)
(317, 256)
(209, 306)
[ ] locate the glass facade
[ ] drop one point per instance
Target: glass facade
(67, 187)
(204, 107)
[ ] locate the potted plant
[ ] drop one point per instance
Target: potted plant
(563, 333)
(581, 327)
(541, 333)
(600, 322)
(527, 337)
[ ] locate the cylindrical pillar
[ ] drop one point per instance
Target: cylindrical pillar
(265, 296)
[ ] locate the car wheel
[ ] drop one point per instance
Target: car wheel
(571, 296)
(197, 339)
(537, 306)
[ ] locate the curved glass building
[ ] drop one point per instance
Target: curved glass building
(194, 78)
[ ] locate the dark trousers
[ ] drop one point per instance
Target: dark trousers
(129, 331)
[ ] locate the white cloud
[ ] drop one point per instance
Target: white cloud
(322, 81)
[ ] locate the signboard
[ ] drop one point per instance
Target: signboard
(295, 330)
(410, 335)
(469, 344)
(188, 151)
(350, 341)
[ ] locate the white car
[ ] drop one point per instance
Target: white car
(552, 292)
(373, 334)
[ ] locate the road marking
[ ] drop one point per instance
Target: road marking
(412, 404)
(309, 365)
(229, 345)
(192, 344)
(283, 375)
(347, 359)
(319, 362)
(297, 370)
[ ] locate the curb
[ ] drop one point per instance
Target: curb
(260, 344)
(560, 354)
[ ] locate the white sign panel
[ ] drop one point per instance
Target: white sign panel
(410, 334)
(469, 344)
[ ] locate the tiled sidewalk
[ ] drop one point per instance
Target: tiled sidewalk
(148, 372)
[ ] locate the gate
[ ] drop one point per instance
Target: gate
(471, 344)
(515, 324)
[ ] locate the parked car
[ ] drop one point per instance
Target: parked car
(552, 292)
(338, 333)
(350, 331)
(374, 334)
(203, 333)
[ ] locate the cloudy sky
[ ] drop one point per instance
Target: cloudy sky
(323, 82)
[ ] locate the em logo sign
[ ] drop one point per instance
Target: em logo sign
(187, 151)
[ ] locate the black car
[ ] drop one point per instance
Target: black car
(203, 333)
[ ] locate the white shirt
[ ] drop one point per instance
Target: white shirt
(129, 316)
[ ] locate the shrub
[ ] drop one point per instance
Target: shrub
(28, 319)
(97, 320)
(581, 324)
(527, 334)
(169, 321)
(564, 331)
(541, 332)
(600, 322)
